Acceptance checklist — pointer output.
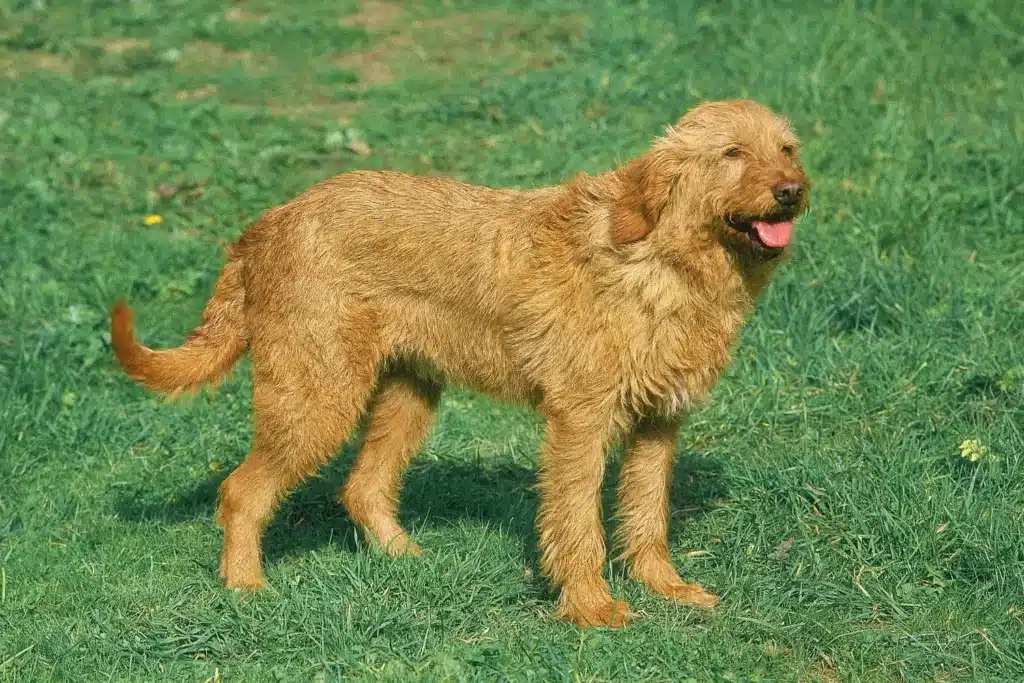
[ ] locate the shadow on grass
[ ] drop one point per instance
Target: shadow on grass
(436, 494)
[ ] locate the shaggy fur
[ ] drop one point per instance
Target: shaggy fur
(609, 303)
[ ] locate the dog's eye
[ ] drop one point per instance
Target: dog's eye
(733, 152)
(788, 150)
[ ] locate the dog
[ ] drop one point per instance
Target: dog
(610, 304)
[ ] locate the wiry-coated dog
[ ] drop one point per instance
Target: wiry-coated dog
(609, 303)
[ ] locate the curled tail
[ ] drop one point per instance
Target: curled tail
(207, 354)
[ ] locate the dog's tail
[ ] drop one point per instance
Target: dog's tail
(207, 354)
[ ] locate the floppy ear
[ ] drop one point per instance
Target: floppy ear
(643, 193)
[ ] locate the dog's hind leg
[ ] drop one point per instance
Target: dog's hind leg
(400, 420)
(307, 400)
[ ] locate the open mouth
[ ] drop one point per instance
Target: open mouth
(771, 232)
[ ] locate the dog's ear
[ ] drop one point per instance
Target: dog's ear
(643, 193)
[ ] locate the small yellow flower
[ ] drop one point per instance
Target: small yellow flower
(215, 466)
(972, 451)
(153, 219)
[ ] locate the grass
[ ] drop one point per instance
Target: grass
(822, 493)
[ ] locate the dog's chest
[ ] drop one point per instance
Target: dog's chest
(676, 401)
(679, 359)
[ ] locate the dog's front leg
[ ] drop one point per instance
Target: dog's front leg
(643, 513)
(571, 533)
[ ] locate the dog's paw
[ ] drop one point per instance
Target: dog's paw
(609, 614)
(387, 535)
(661, 578)
(237, 578)
(687, 593)
(245, 583)
(402, 545)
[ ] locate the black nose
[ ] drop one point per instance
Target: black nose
(788, 193)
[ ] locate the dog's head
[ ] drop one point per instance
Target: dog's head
(732, 166)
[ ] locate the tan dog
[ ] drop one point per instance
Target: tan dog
(609, 303)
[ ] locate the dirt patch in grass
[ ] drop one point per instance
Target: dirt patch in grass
(14, 64)
(119, 46)
(203, 57)
(341, 112)
(46, 61)
(825, 671)
(375, 16)
(372, 66)
(408, 44)
(462, 45)
(241, 16)
(196, 93)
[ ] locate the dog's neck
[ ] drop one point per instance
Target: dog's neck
(701, 255)
(707, 267)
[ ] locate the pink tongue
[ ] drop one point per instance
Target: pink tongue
(774, 234)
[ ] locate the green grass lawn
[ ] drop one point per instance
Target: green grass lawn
(822, 493)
